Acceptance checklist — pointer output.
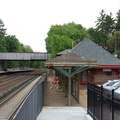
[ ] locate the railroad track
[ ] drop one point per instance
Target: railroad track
(12, 84)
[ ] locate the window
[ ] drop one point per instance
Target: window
(89, 75)
(84, 74)
(108, 73)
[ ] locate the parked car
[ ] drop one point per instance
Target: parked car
(108, 89)
(113, 86)
(117, 94)
(109, 82)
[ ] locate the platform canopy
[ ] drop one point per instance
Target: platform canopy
(70, 64)
(70, 61)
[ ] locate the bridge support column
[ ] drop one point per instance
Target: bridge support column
(3, 66)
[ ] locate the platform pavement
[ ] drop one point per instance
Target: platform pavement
(56, 107)
(63, 113)
(56, 97)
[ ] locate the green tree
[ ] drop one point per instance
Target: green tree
(109, 25)
(13, 44)
(114, 41)
(97, 34)
(2, 29)
(117, 40)
(93, 34)
(9, 43)
(2, 44)
(118, 21)
(72, 30)
(59, 43)
(60, 37)
(26, 48)
(100, 23)
(105, 26)
(37, 64)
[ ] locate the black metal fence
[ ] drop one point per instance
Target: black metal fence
(103, 104)
(33, 104)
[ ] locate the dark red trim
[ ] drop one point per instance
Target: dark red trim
(83, 83)
(107, 66)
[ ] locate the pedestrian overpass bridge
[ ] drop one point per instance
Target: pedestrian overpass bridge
(16, 56)
(19, 56)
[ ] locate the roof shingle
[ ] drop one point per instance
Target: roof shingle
(92, 51)
(69, 56)
(70, 60)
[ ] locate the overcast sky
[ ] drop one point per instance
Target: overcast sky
(30, 20)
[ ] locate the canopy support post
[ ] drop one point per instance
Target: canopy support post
(69, 88)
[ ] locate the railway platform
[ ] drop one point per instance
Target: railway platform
(56, 107)
(63, 113)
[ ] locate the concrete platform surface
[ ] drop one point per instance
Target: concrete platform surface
(63, 113)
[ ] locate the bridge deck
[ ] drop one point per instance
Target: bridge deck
(24, 56)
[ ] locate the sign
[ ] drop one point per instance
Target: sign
(107, 70)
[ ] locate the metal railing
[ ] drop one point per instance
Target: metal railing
(33, 104)
(101, 105)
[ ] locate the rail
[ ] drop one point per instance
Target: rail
(100, 105)
(11, 85)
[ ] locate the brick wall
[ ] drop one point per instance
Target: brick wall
(101, 76)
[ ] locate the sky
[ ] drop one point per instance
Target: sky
(30, 20)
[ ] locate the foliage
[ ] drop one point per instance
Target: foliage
(26, 48)
(37, 64)
(9, 43)
(94, 35)
(118, 53)
(58, 43)
(110, 25)
(118, 21)
(117, 40)
(60, 37)
(105, 26)
(2, 29)
(2, 44)
(114, 41)
(103, 33)
(13, 44)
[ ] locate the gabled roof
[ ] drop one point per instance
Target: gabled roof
(92, 51)
(70, 59)
(69, 56)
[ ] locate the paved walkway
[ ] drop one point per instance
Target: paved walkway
(56, 97)
(83, 96)
(63, 113)
(56, 107)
